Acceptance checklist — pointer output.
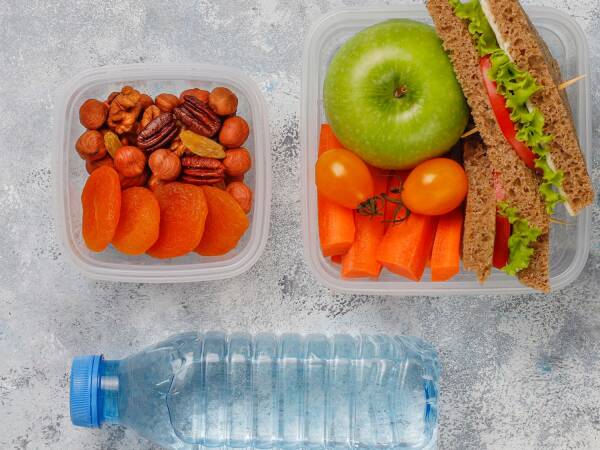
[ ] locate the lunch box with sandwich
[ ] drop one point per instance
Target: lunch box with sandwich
(570, 236)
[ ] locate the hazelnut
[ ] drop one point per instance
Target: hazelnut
(234, 132)
(223, 101)
(151, 113)
(130, 161)
(92, 114)
(166, 102)
(90, 146)
(200, 94)
(146, 101)
(90, 166)
(129, 182)
(165, 164)
(242, 194)
(237, 162)
(154, 182)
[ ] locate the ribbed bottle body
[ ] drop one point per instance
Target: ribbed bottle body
(291, 392)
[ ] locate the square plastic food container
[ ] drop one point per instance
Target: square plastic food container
(70, 174)
(570, 243)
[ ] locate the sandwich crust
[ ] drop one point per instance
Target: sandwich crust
(530, 53)
(480, 212)
(520, 183)
(537, 275)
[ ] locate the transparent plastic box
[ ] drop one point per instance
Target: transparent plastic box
(570, 243)
(70, 174)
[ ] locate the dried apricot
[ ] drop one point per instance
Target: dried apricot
(139, 221)
(101, 201)
(183, 211)
(225, 225)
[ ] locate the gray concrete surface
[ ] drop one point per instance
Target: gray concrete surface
(519, 372)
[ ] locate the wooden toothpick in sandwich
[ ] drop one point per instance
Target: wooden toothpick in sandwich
(561, 87)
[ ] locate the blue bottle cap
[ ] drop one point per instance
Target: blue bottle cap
(85, 385)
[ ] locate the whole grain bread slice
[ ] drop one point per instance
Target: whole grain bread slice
(530, 53)
(480, 211)
(537, 275)
(520, 183)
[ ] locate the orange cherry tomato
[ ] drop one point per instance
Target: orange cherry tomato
(435, 187)
(344, 178)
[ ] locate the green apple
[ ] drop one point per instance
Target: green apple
(391, 96)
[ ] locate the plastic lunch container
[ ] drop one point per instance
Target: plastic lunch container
(570, 243)
(70, 173)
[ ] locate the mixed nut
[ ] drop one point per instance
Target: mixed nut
(166, 175)
(193, 138)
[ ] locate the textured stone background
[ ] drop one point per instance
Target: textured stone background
(519, 372)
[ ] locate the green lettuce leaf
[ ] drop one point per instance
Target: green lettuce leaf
(479, 27)
(521, 238)
(517, 87)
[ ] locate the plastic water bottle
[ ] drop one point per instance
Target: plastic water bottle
(287, 392)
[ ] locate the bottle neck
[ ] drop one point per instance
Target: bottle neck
(108, 392)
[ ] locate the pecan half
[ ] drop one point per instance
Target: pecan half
(198, 117)
(158, 133)
(202, 171)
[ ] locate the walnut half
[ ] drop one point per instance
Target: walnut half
(124, 110)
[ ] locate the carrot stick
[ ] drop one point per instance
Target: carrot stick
(327, 140)
(445, 256)
(336, 223)
(406, 246)
(337, 259)
(361, 260)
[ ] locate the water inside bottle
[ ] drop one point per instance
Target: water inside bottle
(289, 392)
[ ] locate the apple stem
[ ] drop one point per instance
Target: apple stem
(400, 91)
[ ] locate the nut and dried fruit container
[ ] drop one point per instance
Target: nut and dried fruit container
(570, 243)
(70, 174)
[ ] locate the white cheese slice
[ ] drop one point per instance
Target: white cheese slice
(505, 45)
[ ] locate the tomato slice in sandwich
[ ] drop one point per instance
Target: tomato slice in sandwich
(502, 114)
(501, 251)
(503, 228)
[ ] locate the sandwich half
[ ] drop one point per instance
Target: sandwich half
(511, 82)
(509, 77)
(494, 235)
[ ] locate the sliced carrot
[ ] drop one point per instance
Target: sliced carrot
(361, 259)
(445, 256)
(337, 259)
(327, 140)
(336, 223)
(406, 246)
(336, 227)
